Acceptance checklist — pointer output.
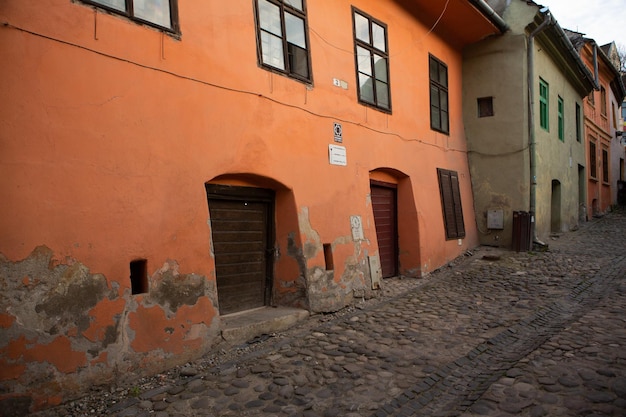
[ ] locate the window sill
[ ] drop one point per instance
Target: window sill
(375, 107)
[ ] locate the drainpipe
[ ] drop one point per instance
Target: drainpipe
(486, 9)
(595, 63)
(531, 116)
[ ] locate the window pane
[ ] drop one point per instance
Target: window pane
(296, 4)
(434, 96)
(366, 89)
(380, 68)
(443, 97)
(443, 75)
(444, 121)
(434, 118)
(364, 60)
(295, 30)
(378, 33)
(382, 94)
(434, 70)
(272, 50)
(115, 4)
(269, 16)
(155, 11)
(298, 61)
(362, 28)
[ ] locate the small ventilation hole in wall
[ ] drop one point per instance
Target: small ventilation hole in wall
(139, 276)
(328, 257)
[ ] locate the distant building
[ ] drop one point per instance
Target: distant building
(605, 152)
(526, 144)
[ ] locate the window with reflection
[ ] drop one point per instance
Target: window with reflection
(439, 116)
(372, 61)
(283, 37)
(160, 13)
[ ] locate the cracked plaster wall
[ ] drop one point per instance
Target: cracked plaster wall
(63, 328)
(331, 290)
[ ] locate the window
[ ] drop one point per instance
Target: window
(543, 105)
(372, 61)
(561, 121)
(603, 101)
(605, 165)
(439, 119)
(283, 37)
(614, 115)
(451, 203)
(592, 98)
(485, 107)
(592, 160)
(578, 127)
(160, 13)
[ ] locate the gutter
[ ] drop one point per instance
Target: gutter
(491, 14)
(548, 20)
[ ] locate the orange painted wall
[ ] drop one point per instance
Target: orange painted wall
(110, 129)
(597, 129)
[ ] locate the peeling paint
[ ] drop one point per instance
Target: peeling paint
(82, 331)
(174, 289)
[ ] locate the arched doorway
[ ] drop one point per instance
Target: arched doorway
(396, 222)
(384, 207)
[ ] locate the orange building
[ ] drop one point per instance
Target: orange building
(165, 163)
(600, 124)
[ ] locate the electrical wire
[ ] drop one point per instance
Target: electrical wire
(234, 90)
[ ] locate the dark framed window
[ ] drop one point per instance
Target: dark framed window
(605, 165)
(451, 203)
(603, 101)
(372, 61)
(578, 121)
(159, 13)
(561, 119)
(485, 107)
(282, 36)
(592, 160)
(439, 117)
(544, 97)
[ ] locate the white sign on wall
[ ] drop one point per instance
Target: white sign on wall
(337, 155)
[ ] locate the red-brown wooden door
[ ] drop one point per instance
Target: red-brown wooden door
(385, 219)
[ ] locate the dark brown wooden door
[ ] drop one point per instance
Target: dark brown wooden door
(385, 215)
(243, 258)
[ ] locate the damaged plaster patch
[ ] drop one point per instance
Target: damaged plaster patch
(61, 295)
(313, 243)
(175, 289)
(76, 293)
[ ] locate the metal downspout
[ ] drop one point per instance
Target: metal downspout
(531, 118)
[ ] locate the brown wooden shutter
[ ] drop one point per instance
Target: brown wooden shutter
(458, 208)
(451, 203)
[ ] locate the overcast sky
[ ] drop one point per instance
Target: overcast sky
(601, 20)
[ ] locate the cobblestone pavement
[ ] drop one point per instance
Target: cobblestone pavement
(495, 333)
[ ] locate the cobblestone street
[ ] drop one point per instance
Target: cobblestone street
(495, 333)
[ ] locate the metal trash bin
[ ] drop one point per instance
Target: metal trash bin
(522, 223)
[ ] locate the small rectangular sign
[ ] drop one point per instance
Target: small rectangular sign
(337, 155)
(337, 132)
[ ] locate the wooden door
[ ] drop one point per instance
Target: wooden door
(241, 230)
(385, 220)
